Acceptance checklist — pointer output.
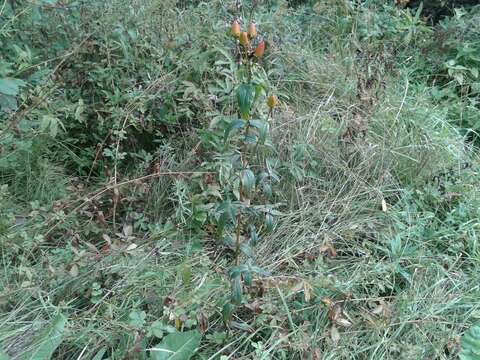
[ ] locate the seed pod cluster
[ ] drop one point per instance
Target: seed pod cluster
(245, 38)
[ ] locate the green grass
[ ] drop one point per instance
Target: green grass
(374, 253)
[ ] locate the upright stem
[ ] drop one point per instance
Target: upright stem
(239, 224)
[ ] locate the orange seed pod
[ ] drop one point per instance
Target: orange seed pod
(244, 39)
(235, 28)
(252, 30)
(260, 49)
(272, 101)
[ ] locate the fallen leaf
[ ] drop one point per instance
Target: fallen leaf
(306, 291)
(107, 239)
(131, 247)
(343, 322)
(335, 335)
(254, 307)
(127, 230)
(202, 321)
(74, 270)
(378, 310)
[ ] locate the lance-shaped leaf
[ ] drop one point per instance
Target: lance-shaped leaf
(47, 341)
(248, 181)
(177, 346)
(233, 125)
(237, 290)
(245, 96)
(269, 222)
(253, 235)
(262, 127)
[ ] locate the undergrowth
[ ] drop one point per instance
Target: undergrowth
(138, 198)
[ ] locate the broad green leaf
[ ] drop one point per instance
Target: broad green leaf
(250, 139)
(45, 344)
(247, 278)
(177, 346)
(8, 103)
(227, 213)
(236, 271)
(259, 271)
(248, 181)
(234, 125)
(262, 127)
(470, 344)
(9, 86)
(245, 96)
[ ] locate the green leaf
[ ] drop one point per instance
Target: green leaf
(9, 86)
(3, 355)
(248, 181)
(247, 278)
(259, 89)
(253, 235)
(99, 355)
(227, 311)
(234, 125)
(236, 271)
(237, 290)
(45, 344)
(262, 127)
(474, 72)
(51, 124)
(137, 319)
(269, 222)
(247, 250)
(227, 214)
(470, 344)
(245, 96)
(177, 346)
(8, 103)
(159, 328)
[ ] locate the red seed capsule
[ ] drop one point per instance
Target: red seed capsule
(260, 49)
